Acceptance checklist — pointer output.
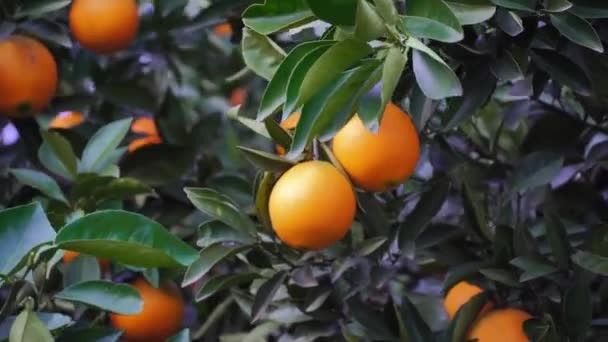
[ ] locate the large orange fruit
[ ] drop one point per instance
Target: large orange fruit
(161, 316)
(377, 162)
(290, 123)
(66, 120)
(504, 325)
(104, 26)
(28, 76)
(69, 256)
(459, 295)
(312, 206)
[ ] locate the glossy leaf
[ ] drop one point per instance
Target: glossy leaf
(436, 80)
(223, 282)
(557, 5)
(83, 268)
(28, 327)
(40, 181)
(127, 238)
(266, 161)
(208, 258)
(22, 229)
(591, 262)
(261, 54)
(53, 321)
(536, 169)
(118, 298)
(211, 232)
(470, 12)
(266, 293)
(40, 8)
(432, 19)
(336, 12)
(276, 15)
(62, 150)
(412, 328)
(533, 267)
(578, 30)
(509, 22)
(102, 145)
(558, 238)
(562, 70)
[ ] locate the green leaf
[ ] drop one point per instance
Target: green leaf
(215, 231)
(578, 310)
(466, 315)
(182, 336)
(500, 275)
(223, 282)
(83, 268)
(40, 181)
(276, 15)
(591, 262)
(120, 189)
(102, 145)
(536, 169)
(557, 237)
(412, 327)
(369, 246)
(393, 67)
(118, 298)
(427, 207)
(533, 267)
(509, 22)
(388, 11)
(22, 229)
(336, 12)
(97, 334)
(436, 80)
(62, 150)
(578, 30)
(432, 19)
(208, 258)
(470, 12)
(53, 321)
(261, 54)
(368, 23)
(339, 57)
(40, 8)
(562, 70)
(52, 163)
(277, 133)
(266, 161)
(126, 238)
(221, 208)
(557, 5)
(27, 327)
(318, 113)
(275, 93)
(255, 126)
(590, 8)
(262, 198)
(266, 293)
(522, 5)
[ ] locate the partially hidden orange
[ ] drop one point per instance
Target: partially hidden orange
(104, 26)
(161, 316)
(147, 127)
(28, 76)
(289, 124)
(505, 325)
(312, 206)
(66, 120)
(69, 256)
(459, 295)
(378, 162)
(223, 30)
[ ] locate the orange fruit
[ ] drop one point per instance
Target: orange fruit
(223, 30)
(459, 295)
(141, 142)
(312, 206)
(161, 316)
(104, 26)
(504, 325)
(290, 123)
(28, 76)
(238, 96)
(69, 256)
(67, 120)
(377, 162)
(145, 126)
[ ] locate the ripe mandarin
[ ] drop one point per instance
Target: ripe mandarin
(312, 206)
(28, 76)
(290, 123)
(504, 325)
(161, 316)
(145, 126)
(104, 26)
(459, 295)
(66, 120)
(377, 162)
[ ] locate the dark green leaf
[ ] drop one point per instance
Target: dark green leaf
(562, 70)
(40, 181)
(40, 8)
(158, 164)
(368, 247)
(262, 198)
(102, 145)
(51, 162)
(412, 328)
(219, 283)
(590, 8)
(208, 258)
(83, 268)
(436, 79)
(466, 315)
(118, 298)
(591, 262)
(578, 30)
(558, 237)
(536, 169)
(127, 238)
(578, 310)
(509, 22)
(22, 229)
(557, 5)
(336, 12)
(522, 5)
(215, 231)
(470, 12)
(221, 208)
(266, 293)
(121, 188)
(500, 275)
(266, 161)
(129, 95)
(62, 150)
(533, 267)
(261, 54)
(432, 19)
(277, 133)
(276, 15)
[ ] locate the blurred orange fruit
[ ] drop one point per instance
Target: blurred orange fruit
(28, 76)
(378, 162)
(312, 206)
(238, 96)
(104, 26)
(223, 30)
(290, 123)
(145, 126)
(141, 142)
(69, 256)
(459, 295)
(504, 325)
(66, 120)
(161, 316)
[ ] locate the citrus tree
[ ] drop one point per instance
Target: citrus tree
(303, 170)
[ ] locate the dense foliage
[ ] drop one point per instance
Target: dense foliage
(510, 192)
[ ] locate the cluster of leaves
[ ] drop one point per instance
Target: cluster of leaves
(510, 191)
